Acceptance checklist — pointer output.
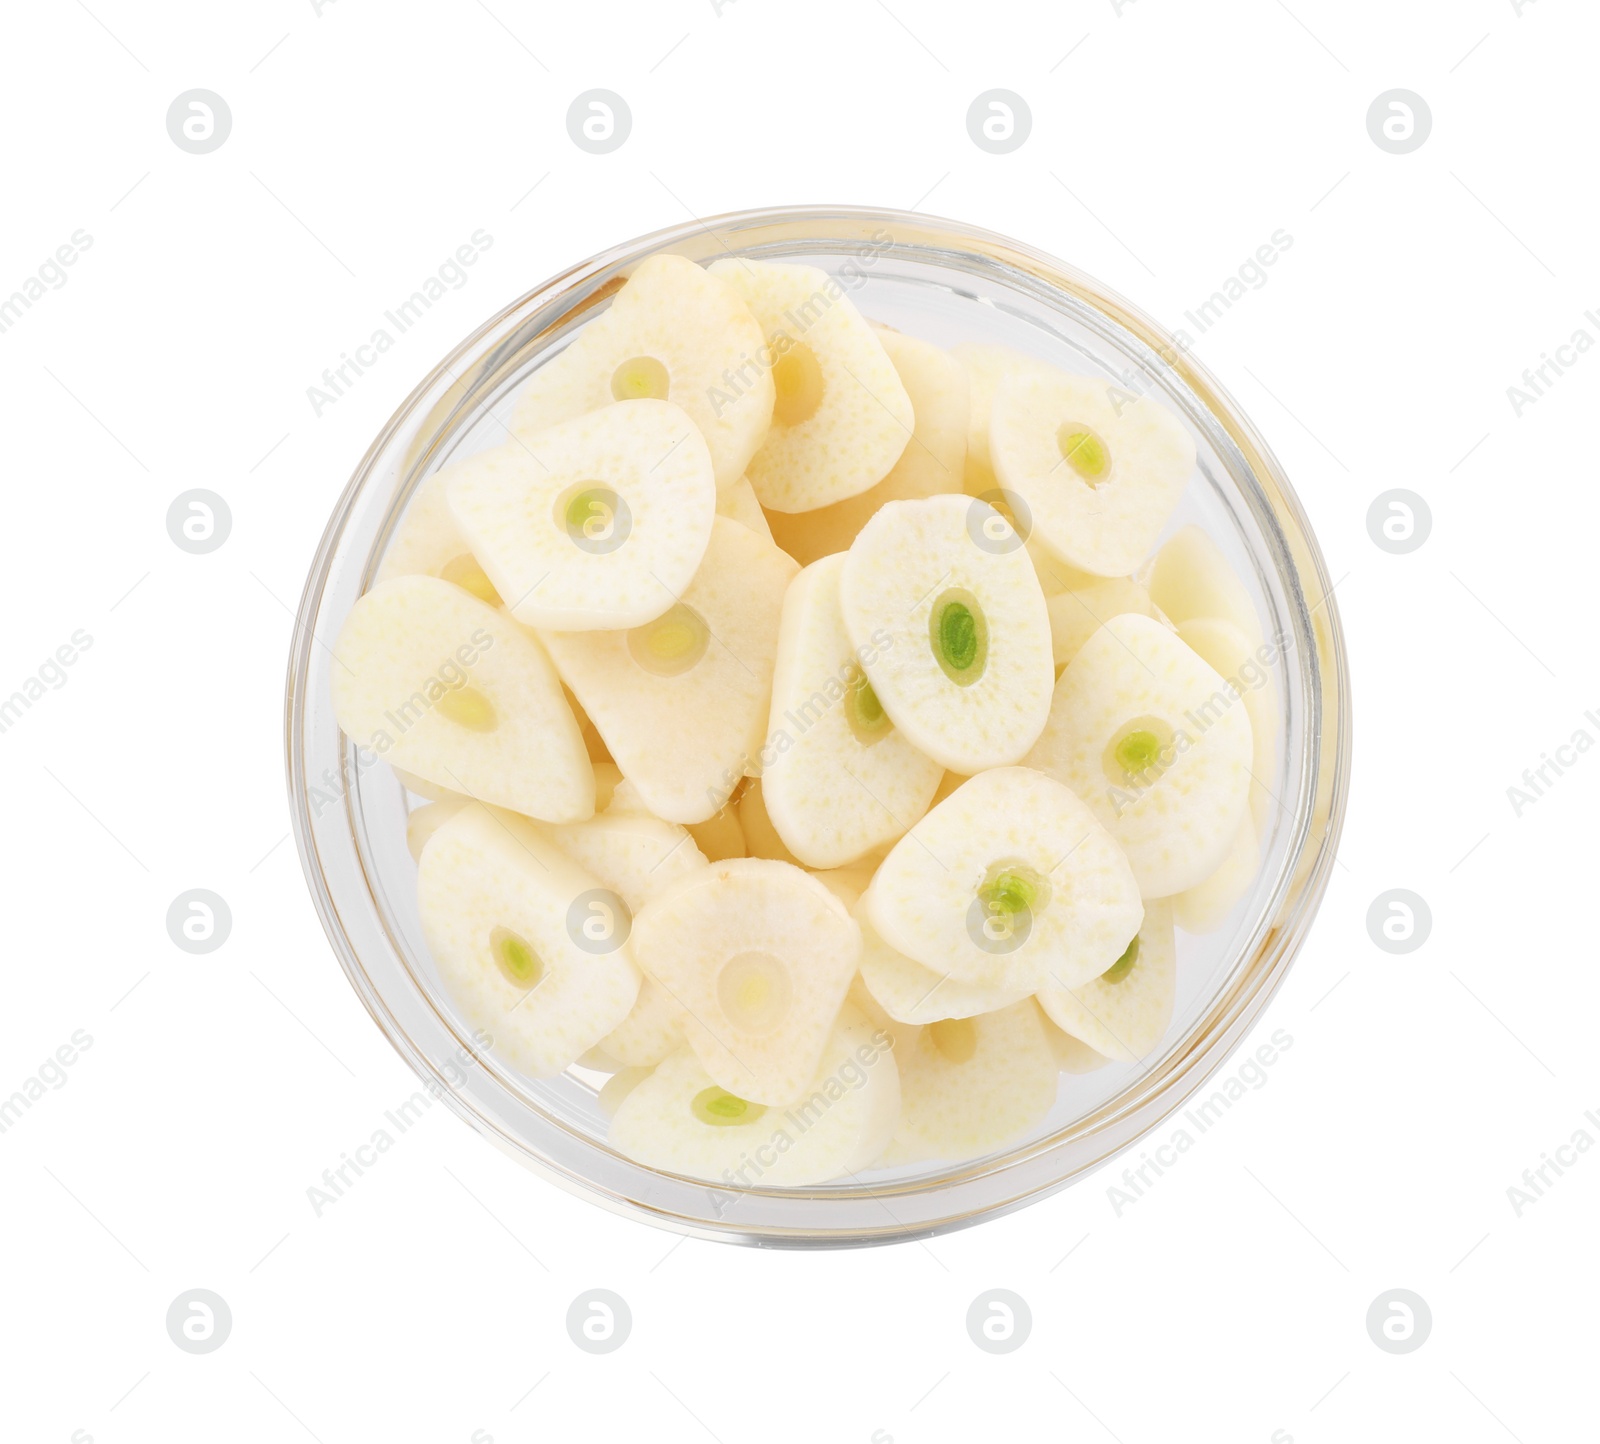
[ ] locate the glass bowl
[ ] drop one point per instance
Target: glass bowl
(947, 282)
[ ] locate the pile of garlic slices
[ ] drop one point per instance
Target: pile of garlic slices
(817, 740)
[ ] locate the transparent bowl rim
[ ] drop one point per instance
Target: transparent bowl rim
(989, 1187)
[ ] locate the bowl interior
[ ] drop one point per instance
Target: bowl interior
(947, 288)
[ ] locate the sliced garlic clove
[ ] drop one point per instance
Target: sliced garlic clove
(497, 901)
(758, 955)
(594, 524)
(841, 417)
(1009, 881)
(673, 332)
(682, 1120)
(738, 503)
(1229, 653)
(970, 1086)
(953, 630)
(1206, 906)
(1189, 577)
(933, 461)
(1123, 1014)
(910, 993)
(446, 687)
(843, 779)
(1157, 744)
(682, 701)
(1100, 471)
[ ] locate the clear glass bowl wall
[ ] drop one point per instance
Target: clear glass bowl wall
(947, 283)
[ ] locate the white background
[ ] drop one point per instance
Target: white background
(370, 141)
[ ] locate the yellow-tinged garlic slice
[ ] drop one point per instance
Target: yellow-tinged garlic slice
(1189, 578)
(1247, 668)
(738, 503)
(841, 417)
(843, 779)
(499, 904)
(452, 690)
(428, 543)
(969, 1086)
(1077, 612)
(674, 333)
(986, 366)
(682, 1120)
(594, 524)
(933, 461)
(1157, 744)
(758, 955)
(682, 700)
(1207, 905)
(1099, 470)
